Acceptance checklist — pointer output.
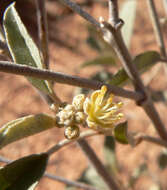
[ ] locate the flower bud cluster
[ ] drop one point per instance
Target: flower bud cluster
(72, 115)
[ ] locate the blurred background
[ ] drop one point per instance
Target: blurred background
(72, 42)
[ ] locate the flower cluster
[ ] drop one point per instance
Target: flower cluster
(71, 115)
(99, 112)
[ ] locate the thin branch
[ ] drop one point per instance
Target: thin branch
(76, 8)
(97, 164)
(154, 140)
(43, 30)
(65, 79)
(65, 142)
(113, 12)
(157, 27)
(132, 72)
(69, 182)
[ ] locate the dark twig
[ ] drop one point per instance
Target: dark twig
(18, 69)
(132, 72)
(157, 27)
(97, 164)
(69, 182)
(43, 30)
(76, 8)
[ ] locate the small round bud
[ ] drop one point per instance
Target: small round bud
(78, 101)
(80, 117)
(72, 132)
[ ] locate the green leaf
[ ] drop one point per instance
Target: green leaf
(137, 173)
(120, 133)
(90, 176)
(101, 61)
(162, 160)
(142, 61)
(93, 43)
(24, 127)
(22, 48)
(109, 155)
(128, 14)
(23, 173)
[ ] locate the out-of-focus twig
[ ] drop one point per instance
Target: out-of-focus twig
(65, 142)
(165, 5)
(69, 182)
(157, 27)
(97, 164)
(43, 30)
(76, 8)
(18, 69)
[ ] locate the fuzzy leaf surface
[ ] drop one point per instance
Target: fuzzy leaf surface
(24, 127)
(22, 48)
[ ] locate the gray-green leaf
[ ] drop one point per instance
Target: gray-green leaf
(21, 46)
(142, 61)
(101, 61)
(128, 14)
(24, 127)
(23, 173)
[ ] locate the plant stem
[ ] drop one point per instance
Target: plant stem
(76, 8)
(43, 30)
(165, 5)
(132, 72)
(154, 140)
(65, 142)
(69, 182)
(97, 164)
(157, 27)
(65, 79)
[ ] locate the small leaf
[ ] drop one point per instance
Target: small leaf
(162, 160)
(109, 154)
(128, 14)
(90, 176)
(22, 47)
(137, 173)
(101, 61)
(23, 173)
(93, 43)
(24, 127)
(120, 133)
(142, 61)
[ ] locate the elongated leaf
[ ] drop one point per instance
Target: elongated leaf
(120, 133)
(109, 154)
(23, 173)
(22, 47)
(128, 14)
(101, 61)
(24, 127)
(142, 61)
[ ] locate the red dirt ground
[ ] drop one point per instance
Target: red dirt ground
(19, 99)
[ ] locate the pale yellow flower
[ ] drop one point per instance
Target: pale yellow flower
(101, 111)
